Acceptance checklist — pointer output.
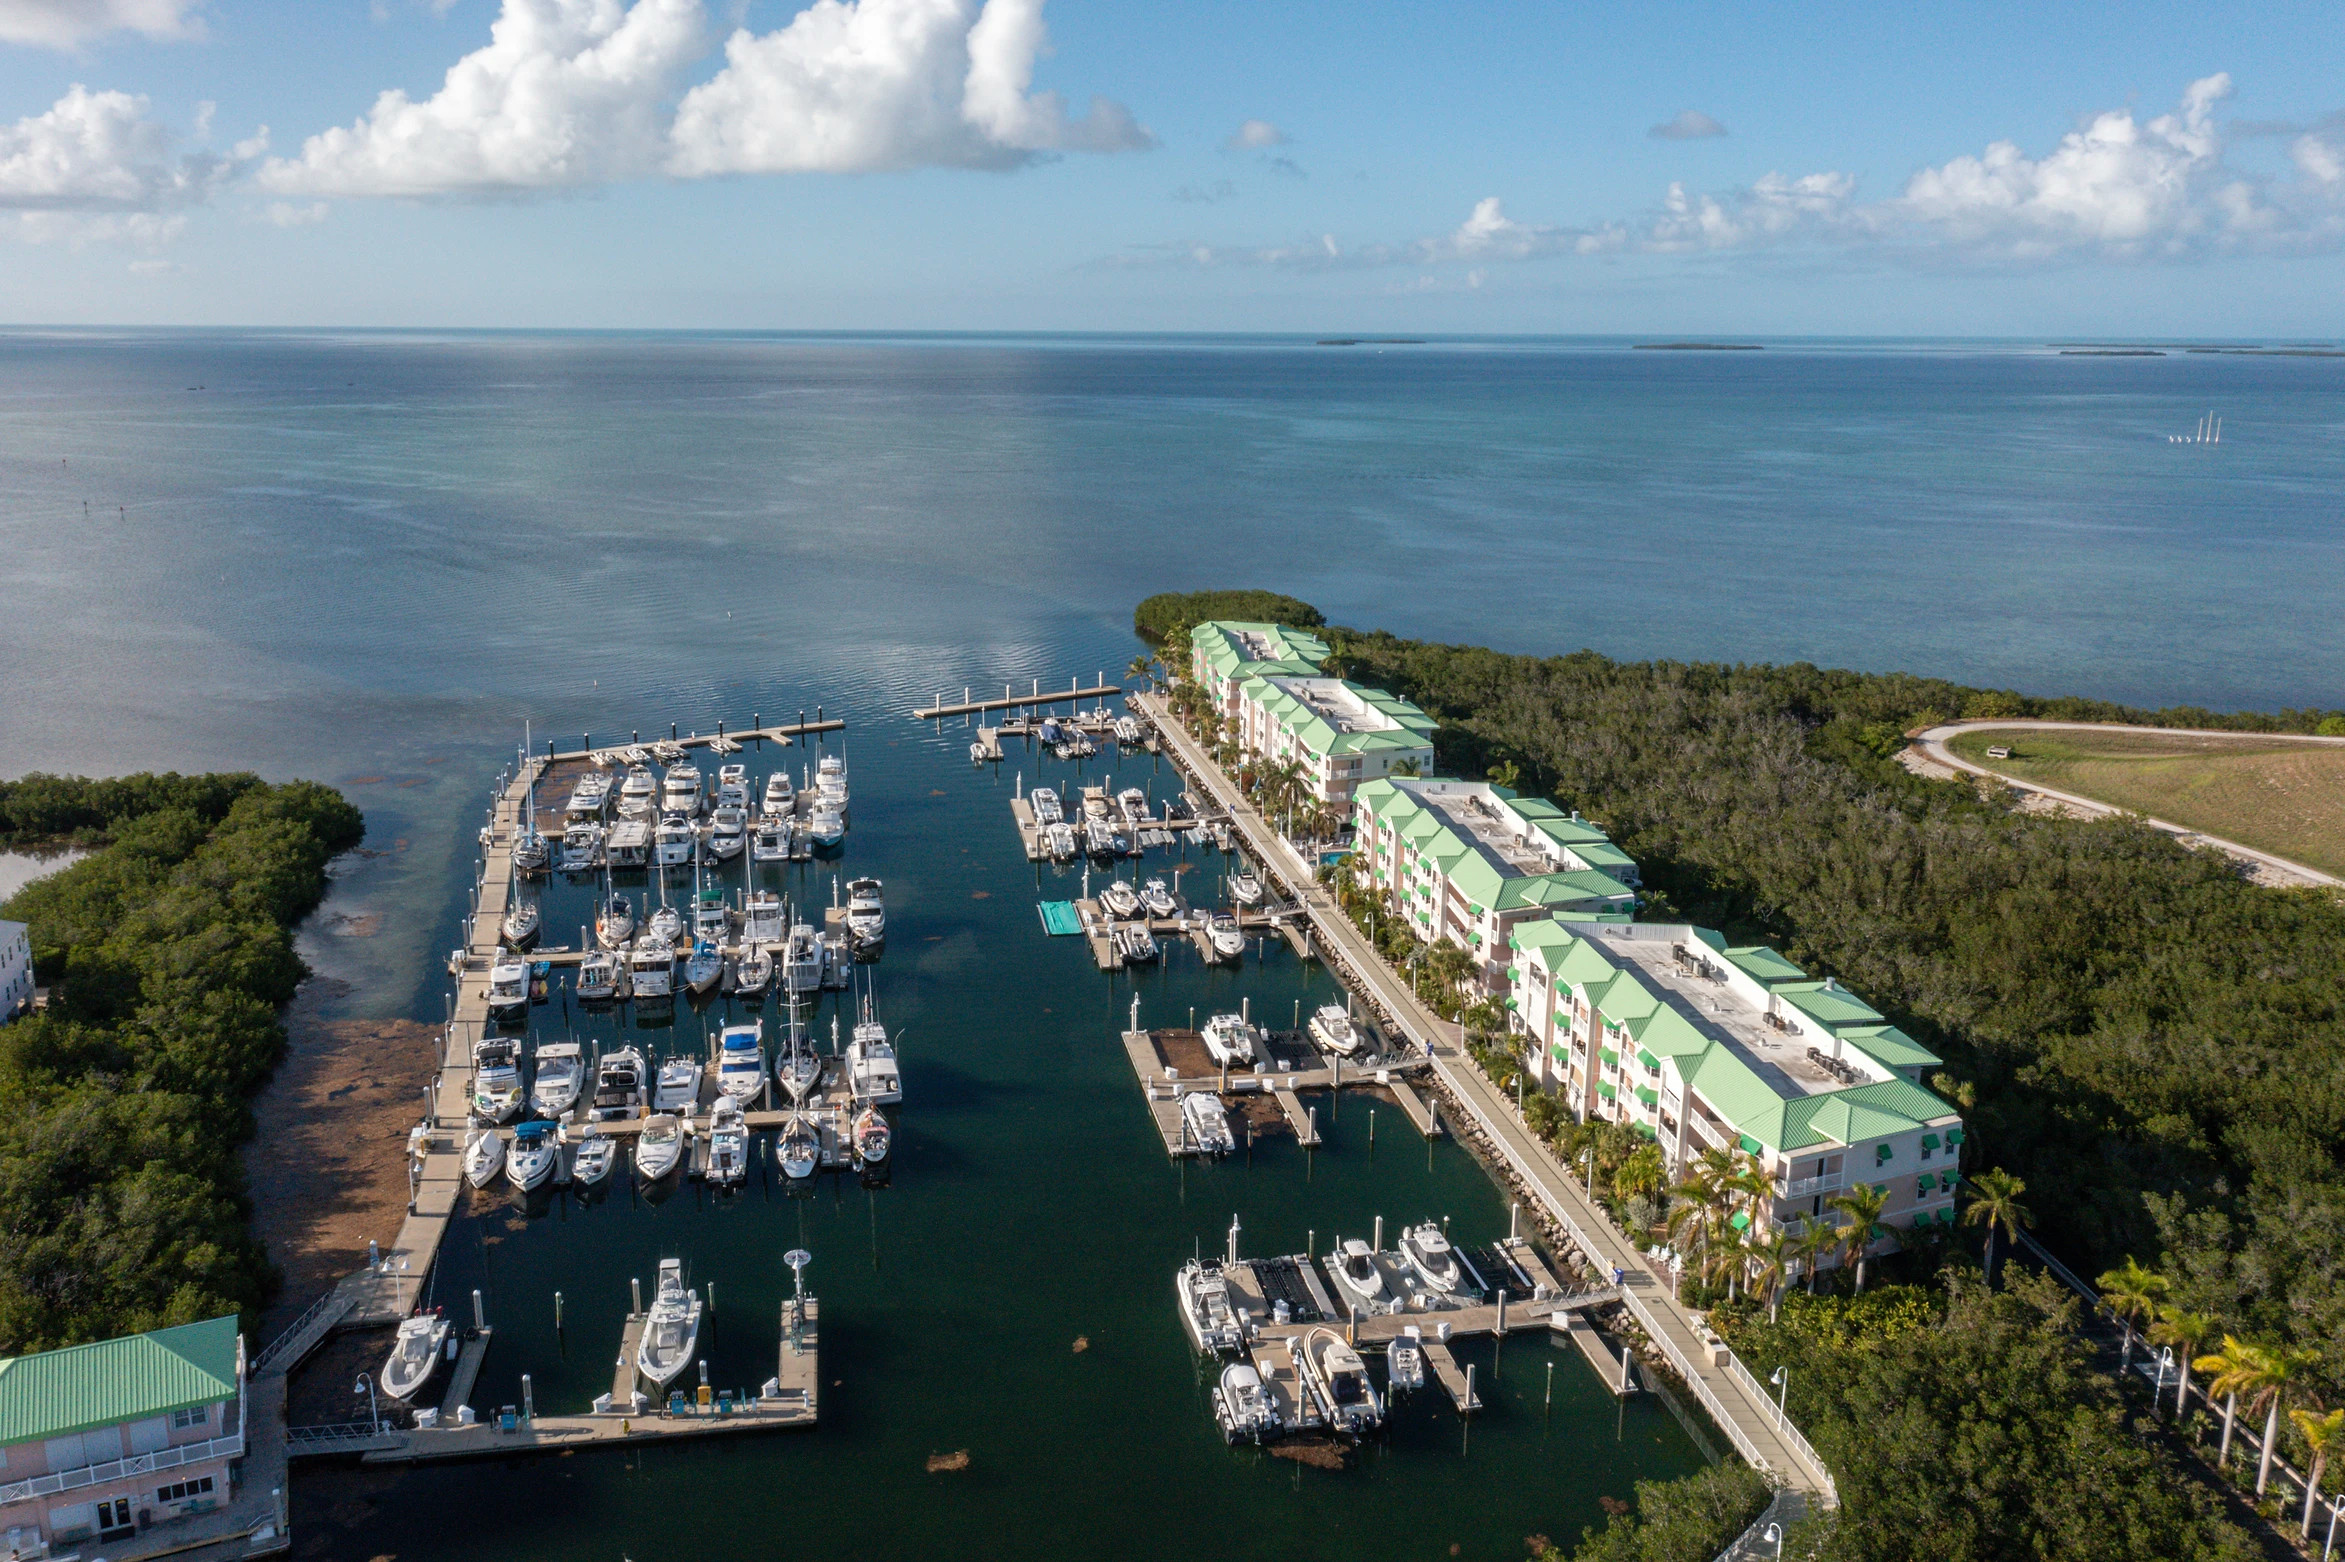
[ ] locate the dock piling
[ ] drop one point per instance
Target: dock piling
(557, 1312)
(1377, 1246)
(479, 1319)
(528, 1400)
(635, 1293)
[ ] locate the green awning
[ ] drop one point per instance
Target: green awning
(1510, 1003)
(1882, 1152)
(1929, 1141)
(1646, 1129)
(1741, 1221)
(1648, 1095)
(1647, 1058)
(1954, 1136)
(1750, 1145)
(1924, 1183)
(1604, 1089)
(1611, 1058)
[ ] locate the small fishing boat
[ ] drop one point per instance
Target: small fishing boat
(1058, 842)
(677, 1088)
(727, 833)
(680, 789)
(728, 1143)
(659, 1149)
(675, 840)
(762, 921)
(415, 1356)
(1046, 805)
(1119, 899)
(1157, 901)
(873, 1137)
(1356, 1274)
(614, 923)
(598, 977)
(651, 971)
(1404, 1359)
(1136, 944)
(1206, 1123)
(1225, 937)
(1332, 1029)
(1341, 1379)
(826, 826)
(1243, 1405)
(704, 967)
(800, 1148)
(558, 1079)
(1128, 733)
(740, 1061)
(1435, 1261)
(753, 973)
(780, 795)
(1213, 1325)
(1245, 889)
(1229, 1040)
(592, 1163)
(867, 915)
(530, 1159)
(484, 1156)
(1133, 804)
(520, 926)
(618, 1086)
(508, 990)
(671, 1332)
(496, 1080)
(770, 841)
(871, 1063)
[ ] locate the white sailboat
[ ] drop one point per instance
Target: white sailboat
(800, 1148)
(874, 1137)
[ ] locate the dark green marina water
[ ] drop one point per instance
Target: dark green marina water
(369, 559)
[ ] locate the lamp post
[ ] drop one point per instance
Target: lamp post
(366, 1385)
(1774, 1532)
(2165, 1365)
(1781, 1378)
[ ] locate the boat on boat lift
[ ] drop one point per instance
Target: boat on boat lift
(671, 1331)
(1332, 1029)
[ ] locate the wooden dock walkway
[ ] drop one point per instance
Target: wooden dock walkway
(1009, 701)
(1613, 1371)
(752, 734)
(1298, 1117)
(1298, 1407)
(466, 1375)
(623, 1376)
(1452, 1377)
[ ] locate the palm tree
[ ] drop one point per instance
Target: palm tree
(1147, 669)
(1769, 1264)
(2133, 1294)
(1995, 1200)
(1815, 1240)
(2185, 1332)
(2320, 1434)
(2262, 1374)
(1862, 1204)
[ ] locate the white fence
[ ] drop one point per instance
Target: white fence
(117, 1469)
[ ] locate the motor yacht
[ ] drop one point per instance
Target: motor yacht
(415, 1356)
(728, 1143)
(1099, 839)
(1096, 804)
(1214, 1326)
(780, 795)
(628, 845)
(1340, 1378)
(710, 919)
(770, 841)
(1229, 1040)
(727, 833)
(1225, 937)
(1332, 1030)
(496, 1080)
(559, 1076)
(1206, 1123)
(740, 1062)
(735, 776)
(1404, 1359)
(508, 990)
(873, 1137)
(830, 781)
(1058, 842)
(1136, 944)
(675, 841)
(637, 793)
(827, 825)
(484, 1156)
(1133, 804)
(599, 977)
(1436, 1262)
(677, 1088)
(762, 921)
(871, 1063)
(680, 790)
(1358, 1277)
(671, 1332)
(704, 967)
(802, 960)
(659, 1149)
(589, 797)
(1119, 899)
(618, 1086)
(1245, 889)
(614, 921)
(1243, 1406)
(531, 1157)
(582, 846)
(867, 915)
(800, 1148)
(592, 1163)
(1046, 805)
(1157, 901)
(651, 971)
(753, 973)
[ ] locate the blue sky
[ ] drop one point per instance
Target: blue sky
(2039, 170)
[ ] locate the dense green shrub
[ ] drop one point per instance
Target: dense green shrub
(169, 950)
(1688, 1520)
(1170, 615)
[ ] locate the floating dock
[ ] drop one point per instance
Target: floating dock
(1285, 1065)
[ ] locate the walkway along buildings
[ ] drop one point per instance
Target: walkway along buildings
(101, 1442)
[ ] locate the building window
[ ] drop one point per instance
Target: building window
(193, 1415)
(183, 1491)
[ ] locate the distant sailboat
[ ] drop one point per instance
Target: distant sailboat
(2208, 432)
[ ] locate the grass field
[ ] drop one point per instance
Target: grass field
(2287, 798)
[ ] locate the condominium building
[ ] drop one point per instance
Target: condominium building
(1224, 653)
(101, 1443)
(1700, 1046)
(1339, 733)
(1469, 861)
(16, 969)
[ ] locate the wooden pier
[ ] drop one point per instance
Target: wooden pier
(1284, 1067)
(1451, 1376)
(1009, 701)
(460, 1382)
(609, 752)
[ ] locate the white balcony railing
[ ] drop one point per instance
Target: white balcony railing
(117, 1469)
(1803, 1187)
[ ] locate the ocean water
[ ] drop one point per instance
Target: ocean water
(371, 559)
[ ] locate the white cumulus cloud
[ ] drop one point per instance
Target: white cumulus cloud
(851, 86)
(98, 165)
(566, 93)
(60, 24)
(1255, 135)
(1691, 125)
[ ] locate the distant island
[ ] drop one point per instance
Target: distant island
(1698, 347)
(1372, 341)
(2110, 352)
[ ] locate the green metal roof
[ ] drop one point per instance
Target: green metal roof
(1225, 653)
(1830, 1006)
(1413, 729)
(114, 1381)
(1890, 1046)
(1764, 965)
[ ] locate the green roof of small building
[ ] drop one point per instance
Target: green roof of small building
(1765, 966)
(135, 1378)
(1829, 1004)
(1892, 1047)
